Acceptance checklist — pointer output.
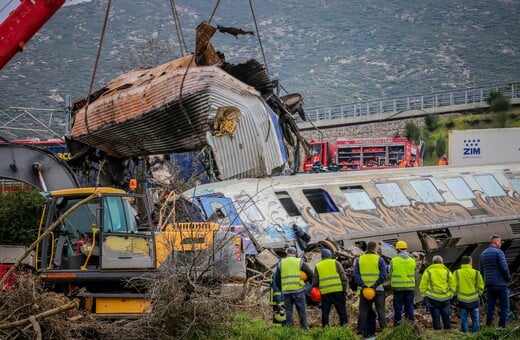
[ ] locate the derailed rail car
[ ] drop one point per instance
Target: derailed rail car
(449, 211)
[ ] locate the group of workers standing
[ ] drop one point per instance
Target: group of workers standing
(438, 286)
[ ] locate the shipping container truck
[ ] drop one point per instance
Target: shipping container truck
(484, 146)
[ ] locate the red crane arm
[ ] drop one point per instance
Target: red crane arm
(22, 23)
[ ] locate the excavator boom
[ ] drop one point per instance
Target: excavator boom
(22, 23)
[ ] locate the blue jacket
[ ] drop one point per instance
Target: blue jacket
(493, 266)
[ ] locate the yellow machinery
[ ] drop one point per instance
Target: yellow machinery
(99, 238)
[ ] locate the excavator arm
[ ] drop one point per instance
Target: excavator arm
(22, 23)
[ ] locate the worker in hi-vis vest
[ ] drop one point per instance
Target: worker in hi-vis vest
(370, 272)
(276, 301)
(402, 271)
(330, 277)
(438, 287)
(470, 285)
(289, 278)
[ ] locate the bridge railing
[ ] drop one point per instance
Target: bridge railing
(415, 102)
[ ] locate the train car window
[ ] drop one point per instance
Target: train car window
(320, 201)
(287, 203)
(426, 191)
(515, 182)
(489, 184)
(392, 194)
(459, 188)
(357, 198)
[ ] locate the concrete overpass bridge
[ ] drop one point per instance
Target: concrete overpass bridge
(399, 108)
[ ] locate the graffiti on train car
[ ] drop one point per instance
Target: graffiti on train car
(499, 205)
(413, 215)
(383, 217)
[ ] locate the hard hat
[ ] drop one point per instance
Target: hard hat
(303, 276)
(315, 294)
(280, 315)
(368, 293)
(401, 245)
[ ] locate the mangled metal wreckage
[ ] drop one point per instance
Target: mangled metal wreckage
(195, 103)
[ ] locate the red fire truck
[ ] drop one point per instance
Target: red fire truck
(361, 154)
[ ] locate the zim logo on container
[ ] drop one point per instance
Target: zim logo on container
(471, 147)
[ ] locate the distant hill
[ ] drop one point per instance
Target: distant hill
(330, 51)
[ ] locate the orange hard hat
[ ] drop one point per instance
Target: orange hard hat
(368, 293)
(315, 294)
(303, 276)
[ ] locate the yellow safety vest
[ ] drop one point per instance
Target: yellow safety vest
(403, 273)
(469, 283)
(330, 280)
(369, 268)
(437, 282)
(290, 274)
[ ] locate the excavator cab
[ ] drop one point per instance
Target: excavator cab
(107, 238)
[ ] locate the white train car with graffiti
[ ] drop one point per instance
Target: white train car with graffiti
(443, 210)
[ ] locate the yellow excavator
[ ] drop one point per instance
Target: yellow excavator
(97, 239)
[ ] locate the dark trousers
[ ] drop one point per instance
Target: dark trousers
(474, 314)
(495, 293)
(403, 298)
(439, 309)
(298, 300)
(364, 312)
(336, 299)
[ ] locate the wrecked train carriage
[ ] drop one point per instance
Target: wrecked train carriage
(450, 211)
(175, 108)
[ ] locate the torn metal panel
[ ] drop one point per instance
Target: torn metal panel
(254, 150)
(205, 53)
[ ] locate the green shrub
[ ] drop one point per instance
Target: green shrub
(405, 330)
(429, 149)
(412, 131)
(20, 214)
(440, 146)
(474, 122)
(431, 121)
(333, 333)
(450, 124)
(500, 118)
(243, 326)
(498, 102)
(490, 333)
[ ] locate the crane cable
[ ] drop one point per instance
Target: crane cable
(96, 63)
(178, 28)
(214, 11)
(258, 35)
